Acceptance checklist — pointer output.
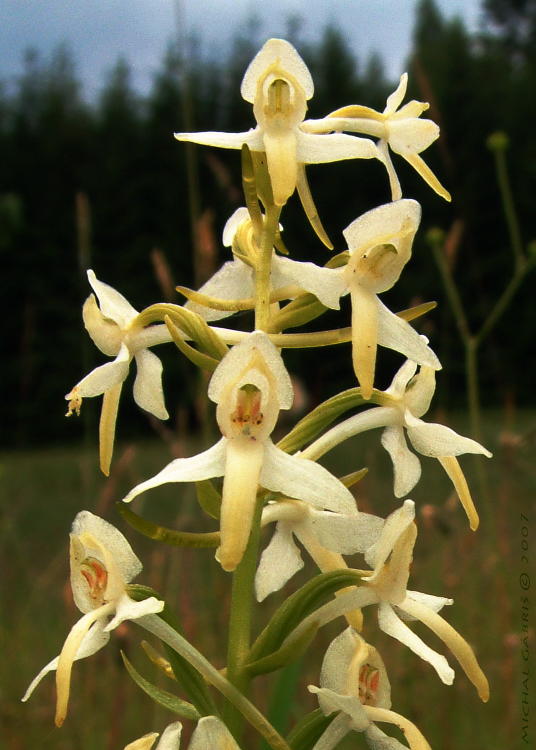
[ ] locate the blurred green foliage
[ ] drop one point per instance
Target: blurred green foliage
(121, 153)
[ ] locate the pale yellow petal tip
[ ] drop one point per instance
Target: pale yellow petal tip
(483, 691)
(474, 523)
(228, 560)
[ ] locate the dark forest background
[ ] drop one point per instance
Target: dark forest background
(115, 165)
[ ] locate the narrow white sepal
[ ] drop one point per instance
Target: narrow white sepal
(209, 464)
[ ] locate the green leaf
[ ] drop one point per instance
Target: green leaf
(168, 536)
(320, 418)
(162, 697)
(192, 683)
(308, 731)
(297, 607)
(209, 498)
(289, 653)
(188, 677)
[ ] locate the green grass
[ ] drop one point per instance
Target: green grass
(41, 492)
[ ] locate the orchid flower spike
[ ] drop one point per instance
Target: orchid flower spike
(354, 681)
(403, 404)
(250, 386)
(210, 734)
(278, 84)
(102, 564)
(400, 130)
(386, 586)
(236, 279)
(111, 325)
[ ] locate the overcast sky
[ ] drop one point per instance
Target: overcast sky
(99, 31)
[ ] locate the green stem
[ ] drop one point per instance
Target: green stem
(452, 292)
(504, 300)
(508, 205)
(471, 370)
(264, 267)
(240, 623)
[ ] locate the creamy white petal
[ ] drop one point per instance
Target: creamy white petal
(397, 334)
(127, 609)
(395, 525)
(240, 356)
(253, 138)
(419, 396)
(411, 136)
(375, 226)
(435, 603)
(112, 540)
(321, 149)
(148, 391)
(394, 627)
(328, 284)
(95, 639)
(397, 389)
(233, 222)
(280, 54)
(210, 463)
(103, 378)
(234, 280)
(346, 534)
(397, 97)
(366, 420)
(112, 304)
(171, 737)
(305, 480)
(437, 440)
(211, 734)
(279, 562)
(406, 465)
(331, 701)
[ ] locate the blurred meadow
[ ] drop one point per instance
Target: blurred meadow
(104, 185)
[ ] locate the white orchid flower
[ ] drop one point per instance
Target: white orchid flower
(111, 326)
(380, 246)
(401, 130)
(386, 586)
(278, 84)
(325, 535)
(102, 564)
(250, 386)
(209, 734)
(236, 279)
(405, 402)
(354, 681)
